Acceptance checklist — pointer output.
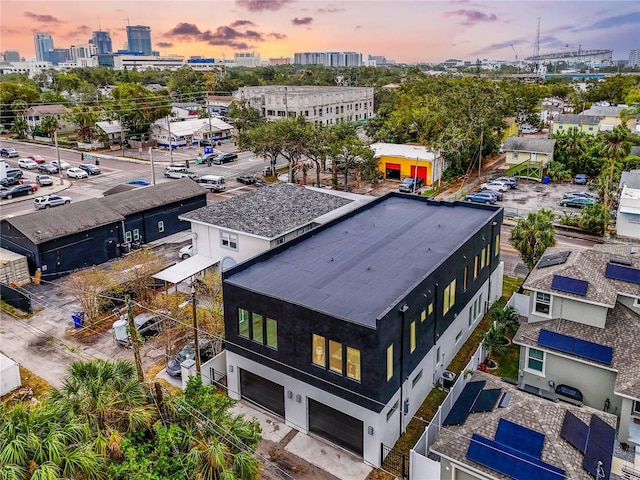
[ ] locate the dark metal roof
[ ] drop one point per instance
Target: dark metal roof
(529, 144)
(44, 225)
(268, 211)
(361, 265)
(577, 118)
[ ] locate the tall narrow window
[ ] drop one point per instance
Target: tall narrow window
(497, 246)
(258, 333)
(335, 356)
(445, 299)
(353, 363)
(438, 356)
(452, 294)
(412, 341)
(319, 351)
(430, 310)
(535, 360)
(272, 333)
(475, 267)
(423, 315)
(464, 279)
(243, 323)
(389, 362)
(483, 257)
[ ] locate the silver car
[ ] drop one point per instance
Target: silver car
(50, 201)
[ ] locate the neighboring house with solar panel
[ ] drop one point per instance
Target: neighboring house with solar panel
(583, 330)
(344, 330)
(525, 437)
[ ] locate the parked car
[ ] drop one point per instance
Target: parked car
(580, 179)
(511, 181)
(579, 202)
(139, 182)
(89, 168)
(27, 163)
(188, 352)
(63, 165)
(481, 197)
(407, 185)
(528, 129)
(186, 252)
(50, 201)
(580, 195)
(14, 173)
(17, 191)
(9, 152)
(48, 168)
(147, 324)
(9, 181)
(497, 195)
(495, 185)
(37, 158)
(571, 392)
(224, 158)
(44, 180)
(247, 179)
(76, 173)
(29, 182)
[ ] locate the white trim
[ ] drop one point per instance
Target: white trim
(535, 301)
(544, 362)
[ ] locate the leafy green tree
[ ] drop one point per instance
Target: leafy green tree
(594, 218)
(263, 141)
(186, 80)
(294, 134)
(14, 99)
(38, 442)
(20, 127)
(493, 342)
(84, 117)
(616, 147)
(532, 235)
(244, 116)
(352, 154)
(318, 149)
(137, 107)
(49, 125)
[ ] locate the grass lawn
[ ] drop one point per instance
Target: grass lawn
(510, 285)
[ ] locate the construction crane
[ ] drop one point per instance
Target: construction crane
(516, 54)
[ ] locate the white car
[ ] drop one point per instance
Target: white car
(27, 163)
(63, 165)
(76, 173)
(495, 186)
(50, 201)
(186, 252)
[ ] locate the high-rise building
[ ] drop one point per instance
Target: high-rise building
(84, 50)
(247, 59)
(102, 40)
(57, 55)
(11, 56)
(329, 59)
(139, 39)
(634, 58)
(44, 43)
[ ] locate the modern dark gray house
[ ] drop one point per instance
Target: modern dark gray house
(344, 330)
(60, 240)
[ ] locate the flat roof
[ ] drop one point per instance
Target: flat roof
(360, 265)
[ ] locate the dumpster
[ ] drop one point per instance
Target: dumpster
(545, 180)
(78, 318)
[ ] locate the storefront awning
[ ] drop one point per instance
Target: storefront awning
(186, 268)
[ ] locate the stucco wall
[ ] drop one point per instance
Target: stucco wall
(569, 309)
(207, 242)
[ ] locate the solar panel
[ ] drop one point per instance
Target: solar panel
(553, 259)
(602, 433)
(592, 456)
(575, 431)
(570, 285)
(460, 410)
(505, 400)
(482, 451)
(527, 440)
(620, 272)
(576, 346)
(486, 400)
(621, 261)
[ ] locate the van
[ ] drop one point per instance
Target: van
(215, 183)
(178, 172)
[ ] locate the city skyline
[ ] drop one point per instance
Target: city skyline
(427, 31)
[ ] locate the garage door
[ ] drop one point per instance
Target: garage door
(392, 171)
(422, 173)
(264, 392)
(335, 426)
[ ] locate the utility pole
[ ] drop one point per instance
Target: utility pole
(480, 156)
(153, 170)
(55, 139)
(122, 136)
(135, 338)
(196, 345)
(170, 139)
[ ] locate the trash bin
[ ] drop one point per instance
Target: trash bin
(448, 379)
(78, 318)
(545, 180)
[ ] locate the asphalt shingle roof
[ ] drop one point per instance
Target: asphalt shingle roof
(604, 111)
(577, 118)
(533, 412)
(268, 211)
(529, 144)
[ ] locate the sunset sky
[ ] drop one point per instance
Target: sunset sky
(402, 30)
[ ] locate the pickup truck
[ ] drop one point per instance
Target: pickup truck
(178, 172)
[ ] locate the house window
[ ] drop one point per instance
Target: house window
(488, 252)
(127, 237)
(412, 341)
(438, 356)
(475, 267)
(515, 155)
(449, 297)
(353, 363)
(430, 311)
(482, 258)
(335, 356)
(389, 362)
(475, 308)
(392, 410)
(257, 325)
(272, 333)
(136, 234)
(423, 315)
(229, 240)
(464, 279)
(243, 322)
(160, 226)
(416, 379)
(471, 316)
(543, 303)
(319, 351)
(497, 246)
(535, 360)
(636, 407)
(636, 303)
(458, 336)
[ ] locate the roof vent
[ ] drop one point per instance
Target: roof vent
(621, 261)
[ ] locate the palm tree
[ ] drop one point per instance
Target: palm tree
(49, 125)
(20, 127)
(616, 147)
(109, 398)
(35, 442)
(494, 342)
(532, 235)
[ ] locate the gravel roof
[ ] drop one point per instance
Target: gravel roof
(268, 211)
(530, 144)
(530, 411)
